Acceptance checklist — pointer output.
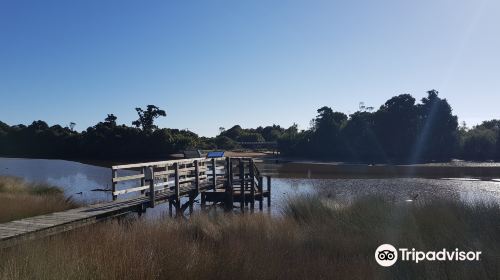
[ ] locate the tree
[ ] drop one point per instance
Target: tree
(226, 143)
(396, 126)
(437, 129)
(479, 144)
(111, 120)
(293, 142)
(38, 126)
(233, 133)
(271, 133)
(494, 126)
(251, 137)
(147, 117)
(325, 140)
(359, 136)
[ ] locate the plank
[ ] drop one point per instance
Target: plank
(130, 190)
(158, 163)
(127, 178)
(33, 224)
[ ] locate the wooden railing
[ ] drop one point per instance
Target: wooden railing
(155, 177)
(236, 175)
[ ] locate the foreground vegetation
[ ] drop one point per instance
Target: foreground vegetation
(315, 238)
(401, 130)
(20, 199)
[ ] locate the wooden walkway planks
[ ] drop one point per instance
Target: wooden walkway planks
(45, 225)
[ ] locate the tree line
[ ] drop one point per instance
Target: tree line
(401, 130)
(105, 140)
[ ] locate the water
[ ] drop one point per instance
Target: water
(76, 179)
(80, 180)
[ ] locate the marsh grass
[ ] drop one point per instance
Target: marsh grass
(20, 199)
(314, 239)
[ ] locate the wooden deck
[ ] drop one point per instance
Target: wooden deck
(166, 181)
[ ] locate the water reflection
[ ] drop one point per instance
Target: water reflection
(76, 179)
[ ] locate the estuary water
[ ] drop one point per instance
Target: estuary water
(85, 182)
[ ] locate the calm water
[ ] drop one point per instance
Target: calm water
(81, 180)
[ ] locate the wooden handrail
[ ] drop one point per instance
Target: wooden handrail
(177, 173)
(160, 163)
(194, 171)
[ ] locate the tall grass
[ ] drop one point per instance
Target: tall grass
(314, 239)
(20, 199)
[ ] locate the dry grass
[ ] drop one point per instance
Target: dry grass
(315, 239)
(20, 199)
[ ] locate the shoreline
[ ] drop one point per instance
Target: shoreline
(269, 158)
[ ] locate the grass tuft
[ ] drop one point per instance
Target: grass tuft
(21, 199)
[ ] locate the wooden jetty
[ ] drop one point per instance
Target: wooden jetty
(136, 187)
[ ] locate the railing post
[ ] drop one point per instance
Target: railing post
(214, 173)
(252, 184)
(113, 185)
(165, 179)
(177, 188)
(197, 176)
(268, 191)
(227, 175)
(151, 179)
(143, 181)
(242, 182)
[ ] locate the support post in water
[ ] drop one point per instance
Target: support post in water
(191, 203)
(170, 207)
(203, 200)
(268, 191)
(229, 185)
(252, 184)
(260, 186)
(242, 182)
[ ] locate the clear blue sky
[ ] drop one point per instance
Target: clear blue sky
(256, 62)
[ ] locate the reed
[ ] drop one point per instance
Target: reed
(315, 238)
(21, 199)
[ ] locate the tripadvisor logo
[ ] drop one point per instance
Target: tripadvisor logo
(387, 255)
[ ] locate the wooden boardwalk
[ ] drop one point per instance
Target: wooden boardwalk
(221, 180)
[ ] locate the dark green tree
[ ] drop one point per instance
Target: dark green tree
(325, 139)
(437, 129)
(147, 117)
(359, 137)
(479, 143)
(396, 125)
(233, 133)
(111, 120)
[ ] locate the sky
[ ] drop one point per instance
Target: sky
(215, 63)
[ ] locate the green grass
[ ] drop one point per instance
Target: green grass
(316, 238)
